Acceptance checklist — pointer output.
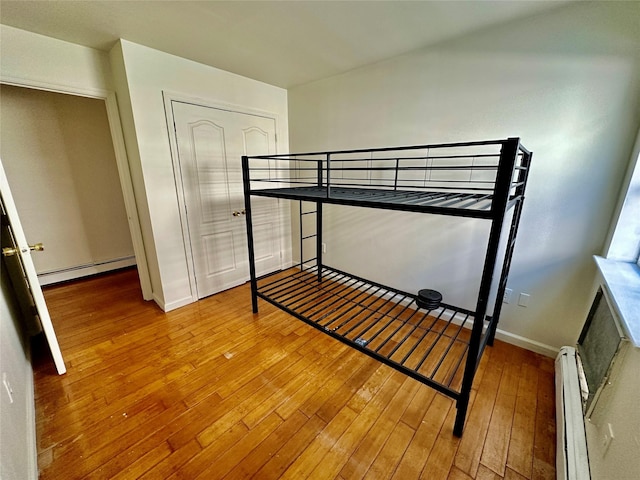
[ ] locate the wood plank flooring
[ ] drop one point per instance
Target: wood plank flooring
(212, 391)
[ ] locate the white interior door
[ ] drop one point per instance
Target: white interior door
(16, 254)
(210, 144)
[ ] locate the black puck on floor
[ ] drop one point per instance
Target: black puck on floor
(429, 299)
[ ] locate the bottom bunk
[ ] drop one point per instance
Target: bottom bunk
(429, 345)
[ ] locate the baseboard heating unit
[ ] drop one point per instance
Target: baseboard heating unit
(572, 461)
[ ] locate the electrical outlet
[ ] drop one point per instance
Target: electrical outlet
(523, 299)
(324, 248)
(507, 295)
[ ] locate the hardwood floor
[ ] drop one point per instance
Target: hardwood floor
(212, 391)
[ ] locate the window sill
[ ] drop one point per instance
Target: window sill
(622, 280)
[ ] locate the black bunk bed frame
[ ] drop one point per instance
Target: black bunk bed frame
(440, 345)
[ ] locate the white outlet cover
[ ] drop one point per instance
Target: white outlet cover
(507, 295)
(523, 300)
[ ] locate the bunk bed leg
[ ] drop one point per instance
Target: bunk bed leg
(319, 239)
(492, 333)
(478, 323)
(498, 208)
(462, 404)
(247, 208)
(300, 214)
(319, 217)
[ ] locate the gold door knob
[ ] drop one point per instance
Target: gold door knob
(9, 251)
(237, 214)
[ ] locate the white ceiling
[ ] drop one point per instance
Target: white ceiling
(282, 43)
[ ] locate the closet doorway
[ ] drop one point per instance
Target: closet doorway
(67, 168)
(60, 162)
(209, 143)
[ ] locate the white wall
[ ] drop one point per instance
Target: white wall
(566, 82)
(18, 433)
(59, 158)
(141, 75)
(29, 58)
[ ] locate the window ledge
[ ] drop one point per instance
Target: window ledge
(622, 280)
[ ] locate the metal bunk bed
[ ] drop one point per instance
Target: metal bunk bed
(431, 341)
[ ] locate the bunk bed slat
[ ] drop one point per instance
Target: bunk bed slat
(393, 327)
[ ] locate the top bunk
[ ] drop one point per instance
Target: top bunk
(460, 179)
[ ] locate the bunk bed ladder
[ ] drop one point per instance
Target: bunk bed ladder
(318, 224)
(521, 181)
(304, 261)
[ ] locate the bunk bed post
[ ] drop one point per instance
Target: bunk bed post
(319, 219)
(300, 215)
(246, 184)
(508, 155)
(319, 239)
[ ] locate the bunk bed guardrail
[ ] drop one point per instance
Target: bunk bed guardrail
(439, 346)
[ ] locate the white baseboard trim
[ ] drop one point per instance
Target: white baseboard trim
(167, 307)
(519, 341)
(526, 343)
(159, 301)
(79, 271)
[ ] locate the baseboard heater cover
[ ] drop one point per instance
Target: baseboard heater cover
(79, 271)
(572, 460)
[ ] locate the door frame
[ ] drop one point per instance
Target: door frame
(122, 164)
(169, 97)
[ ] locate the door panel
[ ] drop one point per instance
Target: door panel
(210, 170)
(220, 252)
(210, 145)
(265, 248)
(22, 272)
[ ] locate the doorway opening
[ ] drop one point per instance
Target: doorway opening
(65, 168)
(59, 158)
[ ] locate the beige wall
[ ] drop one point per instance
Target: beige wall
(567, 82)
(58, 155)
